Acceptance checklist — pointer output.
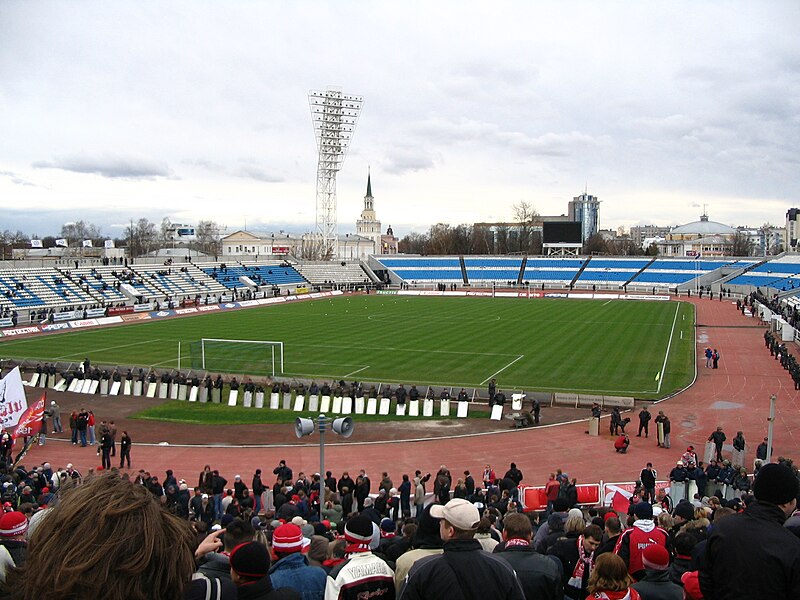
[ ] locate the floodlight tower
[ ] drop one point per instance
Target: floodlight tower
(335, 116)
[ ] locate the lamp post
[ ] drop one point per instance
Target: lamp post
(342, 426)
(771, 421)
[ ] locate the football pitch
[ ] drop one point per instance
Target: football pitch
(615, 347)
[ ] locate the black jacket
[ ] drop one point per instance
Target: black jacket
(751, 555)
(263, 590)
(539, 575)
(463, 571)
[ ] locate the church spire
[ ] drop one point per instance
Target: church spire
(369, 184)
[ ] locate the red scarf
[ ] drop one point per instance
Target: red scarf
(584, 564)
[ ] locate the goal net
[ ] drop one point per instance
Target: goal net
(262, 357)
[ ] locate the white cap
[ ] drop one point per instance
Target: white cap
(458, 512)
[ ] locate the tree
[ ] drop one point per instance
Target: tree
(525, 215)
(742, 244)
(413, 243)
(166, 230)
(142, 237)
(208, 237)
(595, 245)
(481, 240)
(76, 232)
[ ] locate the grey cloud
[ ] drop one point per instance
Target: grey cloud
(109, 166)
(16, 179)
(407, 160)
(258, 173)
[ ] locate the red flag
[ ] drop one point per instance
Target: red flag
(620, 503)
(29, 419)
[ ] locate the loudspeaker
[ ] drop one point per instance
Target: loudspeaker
(303, 427)
(343, 426)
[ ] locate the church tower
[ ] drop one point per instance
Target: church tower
(368, 225)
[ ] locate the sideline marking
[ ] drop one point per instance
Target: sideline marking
(669, 344)
(503, 369)
(104, 349)
(356, 371)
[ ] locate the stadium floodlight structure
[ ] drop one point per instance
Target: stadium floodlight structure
(335, 116)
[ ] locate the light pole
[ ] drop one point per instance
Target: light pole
(342, 426)
(771, 421)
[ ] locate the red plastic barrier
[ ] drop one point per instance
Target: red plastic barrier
(534, 497)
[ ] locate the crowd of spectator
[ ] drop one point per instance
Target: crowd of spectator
(114, 534)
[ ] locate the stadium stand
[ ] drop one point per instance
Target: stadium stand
(673, 272)
(260, 274)
(552, 270)
(181, 280)
(324, 272)
(424, 269)
(611, 271)
(39, 288)
(492, 268)
(782, 274)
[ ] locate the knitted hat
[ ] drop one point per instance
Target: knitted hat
(684, 509)
(250, 559)
(13, 523)
(358, 530)
(287, 539)
(643, 510)
(655, 557)
(774, 483)
(387, 525)
(308, 530)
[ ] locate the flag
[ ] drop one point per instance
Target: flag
(36, 244)
(658, 375)
(87, 243)
(618, 497)
(31, 419)
(61, 242)
(620, 502)
(108, 244)
(12, 399)
(31, 441)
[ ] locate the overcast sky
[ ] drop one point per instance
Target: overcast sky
(199, 110)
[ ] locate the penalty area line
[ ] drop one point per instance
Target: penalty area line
(503, 369)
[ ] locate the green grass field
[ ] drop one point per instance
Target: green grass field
(612, 347)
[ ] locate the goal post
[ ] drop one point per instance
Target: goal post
(255, 357)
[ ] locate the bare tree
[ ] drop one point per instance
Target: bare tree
(413, 243)
(481, 240)
(142, 237)
(76, 232)
(525, 215)
(166, 230)
(208, 235)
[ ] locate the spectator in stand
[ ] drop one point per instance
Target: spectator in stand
(540, 576)
(250, 572)
(577, 560)
(102, 560)
(633, 541)
(751, 554)
(362, 574)
(463, 570)
(551, 490)
(656, 583)
(610, 580)
(426, 542)
(292, 569)
(214, 560)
